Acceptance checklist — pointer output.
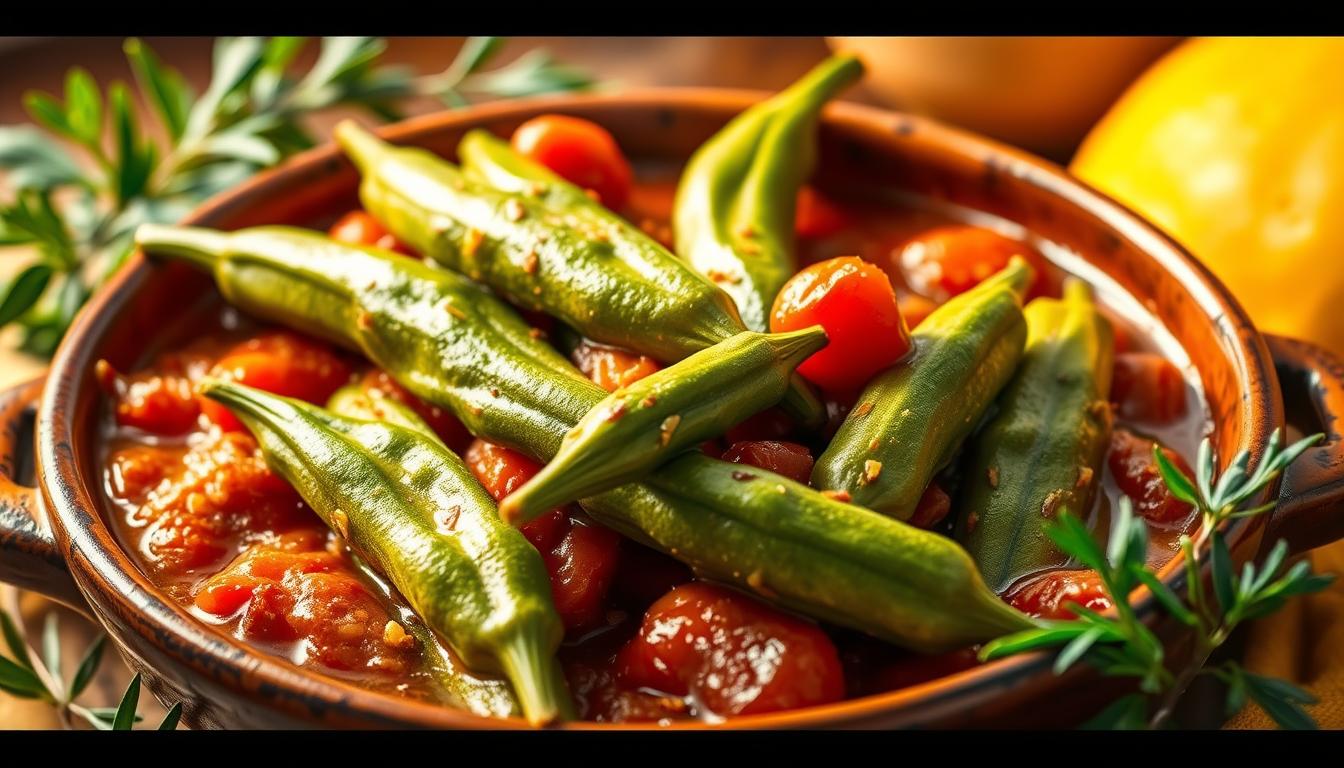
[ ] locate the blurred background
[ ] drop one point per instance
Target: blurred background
(1233, 146)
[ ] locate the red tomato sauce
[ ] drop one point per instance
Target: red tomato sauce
(645, 641)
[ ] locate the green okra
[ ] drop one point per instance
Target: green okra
(546, 246)
(736, 201)
(412, 510)
(1042, 452)
(784, 541)
(910, 420)
(639, 427)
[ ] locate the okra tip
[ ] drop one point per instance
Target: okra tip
(196, 245)
(1016, 276)
(537, 680)
(1077, 290)
(359, 144)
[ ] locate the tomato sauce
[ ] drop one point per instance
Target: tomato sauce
(226, 537)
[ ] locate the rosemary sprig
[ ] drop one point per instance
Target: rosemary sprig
(27, 677)
(77, 217)
(1123, 646)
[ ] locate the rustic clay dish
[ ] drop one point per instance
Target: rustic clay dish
(55, 538)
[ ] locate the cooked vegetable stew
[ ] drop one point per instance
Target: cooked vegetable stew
(845, 502)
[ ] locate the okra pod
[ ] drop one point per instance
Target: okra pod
(909, 421)
(1041, 454)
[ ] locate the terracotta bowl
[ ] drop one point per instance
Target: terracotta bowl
(55, 537)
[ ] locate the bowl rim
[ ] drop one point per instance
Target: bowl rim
(92, 550)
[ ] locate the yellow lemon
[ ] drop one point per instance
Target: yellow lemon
(1235, 147)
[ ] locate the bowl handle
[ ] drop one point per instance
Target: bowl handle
(29, 556)
(1311, 496)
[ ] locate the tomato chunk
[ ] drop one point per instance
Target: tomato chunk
(915, 309)
(932, 508)
(854, 301)
(287, 596)
(1135, 470)
(360, 228)
(196, 506)
(602, 699)
(770, 424)
(611, 367)
(1147, 387)
(580, 151)
(945, 261)
(816, 216)
(580, 558)
(282, 363)
(582, 566)
(791, 460)
(160, 405)
(1049, 595)
(732, 654)
(441, 420)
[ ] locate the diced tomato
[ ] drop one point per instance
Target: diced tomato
(644, 575)
(602, 699)
(286, 595)
(854, 301)
(582, 566)
(441, 420)
(915, 308)
(791, 460)
(946, 261)
(1135, 470)
(282, 363)
(580, 151)
(770, 424)
(360, 228)
(816, 216)
(206, 500)
(1048, 596)
(161, 404)
(732, 654)
(1147, 387)
(580, 558)
(933, 506)
(611, 367)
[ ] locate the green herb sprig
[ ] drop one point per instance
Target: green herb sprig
(24, 678)
(1123, 646)
(77, 217)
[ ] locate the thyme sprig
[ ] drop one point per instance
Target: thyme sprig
(78, 216)
(1123, 646)
(29, 676)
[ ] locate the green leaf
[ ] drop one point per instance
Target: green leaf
(1076, 648)
(48, 112)
(1032, 639)
(171, 719)
(21, 294)
(36, 161)
(88, 666)
(1178, 484)
(235, 60)
(533, 73)
(125, 717)
(1165, 596)
(1229, 482)
(134, 163)
(269, 81)
(474, 54)
(1074, 540)
(15, 640)
(21, 681)
(163, 87)
(1282, 701)
(83, 107)
(1221, 560)
(108, 714)
(241, 147)
(1236, 689)
(1127, 713)
(51, 644)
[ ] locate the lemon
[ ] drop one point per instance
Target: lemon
(1235, 147)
